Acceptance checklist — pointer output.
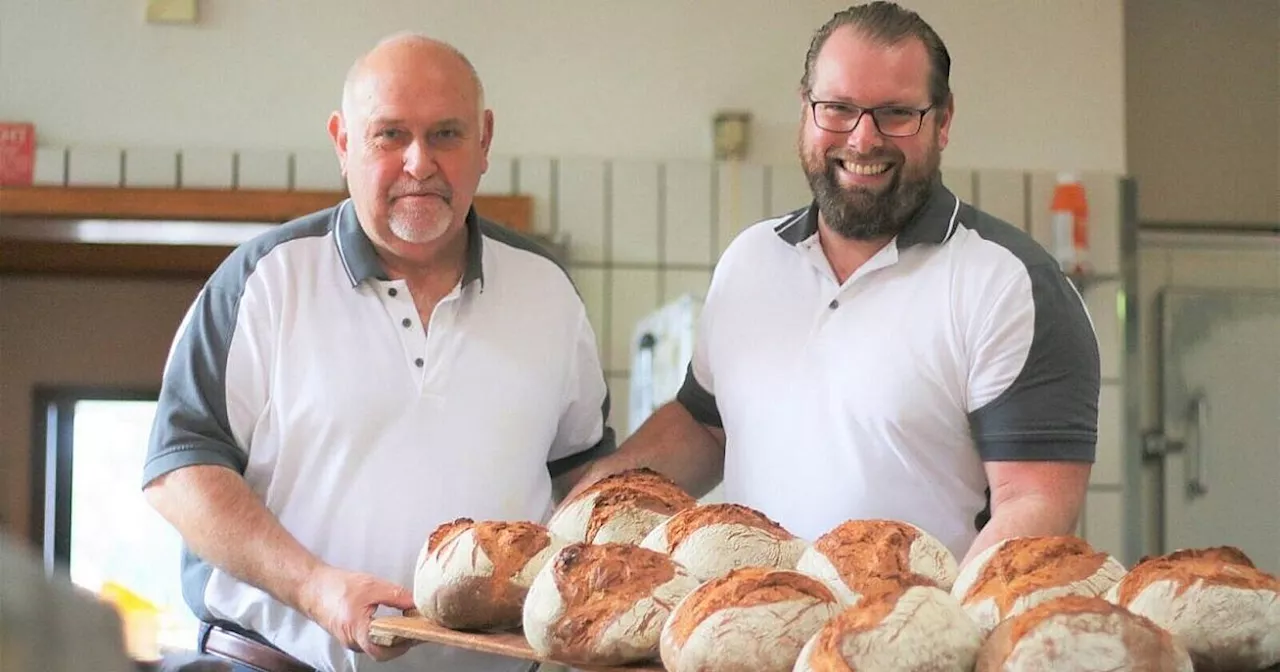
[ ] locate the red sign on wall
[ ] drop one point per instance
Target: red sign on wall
(17, 154)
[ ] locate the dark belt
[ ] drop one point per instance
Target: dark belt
(244, 650)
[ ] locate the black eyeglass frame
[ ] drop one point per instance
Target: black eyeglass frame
(864, 111)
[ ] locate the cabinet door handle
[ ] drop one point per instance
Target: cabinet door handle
(1197, 448)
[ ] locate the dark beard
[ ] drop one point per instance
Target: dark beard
(860, 214)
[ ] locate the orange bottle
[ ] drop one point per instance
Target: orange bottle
(1070, 211)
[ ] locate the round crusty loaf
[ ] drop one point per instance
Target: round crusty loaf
(1084, 634)
(1017, 574)
(621, 508)
(603, 604)
(752, 619)
(710, 540)
(911, 626)
(1223, 609)
(857, 555)
(474, 576)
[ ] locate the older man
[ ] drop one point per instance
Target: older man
(888, 351)
(346, 383)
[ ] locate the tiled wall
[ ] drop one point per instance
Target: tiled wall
(641, 233)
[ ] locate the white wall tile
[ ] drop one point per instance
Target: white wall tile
(634, 237)
(533, 177)
(960, 182)
(496, 180)
(741, 200)
(676, 283)
(582, 214)
(1104, 522)
(688, 216)
(620, 400)
(317, 170)
(591, 286)
(151, 167)
(1040, 198)
(632, 296)
(263, 169)
(1102, 300)
(1002, 193)
(1108, 466)
(50, 167)
(206, 169)
(788, 189)
(94, 167)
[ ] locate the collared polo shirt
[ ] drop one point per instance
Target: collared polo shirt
(303, 367)
(959, 342)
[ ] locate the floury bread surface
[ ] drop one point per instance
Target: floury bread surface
(754, 619)
(857, 556)
(1223, 609)
(603, 604)
(1081, 634)
(1017, 574)
(474, 576)
(713, 539)
(913, 626)
(621, 508)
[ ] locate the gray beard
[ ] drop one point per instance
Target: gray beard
(860, 214)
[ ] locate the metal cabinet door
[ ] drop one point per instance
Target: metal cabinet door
(1220, 387)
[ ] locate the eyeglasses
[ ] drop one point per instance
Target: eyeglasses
(891, 121)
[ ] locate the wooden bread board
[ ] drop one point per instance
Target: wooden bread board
(387, 630)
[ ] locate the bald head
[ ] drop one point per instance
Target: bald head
(406, 54)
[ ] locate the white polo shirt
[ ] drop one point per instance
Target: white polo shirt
(961, 341)
(301, 366)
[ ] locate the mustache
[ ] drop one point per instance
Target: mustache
(421, 189)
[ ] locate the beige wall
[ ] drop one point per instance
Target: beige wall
(74, 332)
(608, 79)
(1203, 109)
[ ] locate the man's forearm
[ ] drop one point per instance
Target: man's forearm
(224, 523)
(1031, 516)
(672, 443)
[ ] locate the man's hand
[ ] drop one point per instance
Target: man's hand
(343, 603)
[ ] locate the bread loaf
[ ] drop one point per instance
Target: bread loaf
(1017, 574)
(1223, 609)
(620, 508)
(474, 576)
(603, 604)
(910, 626)
(857, 555)
(752, 619)
(712, 539)
(1082, 634)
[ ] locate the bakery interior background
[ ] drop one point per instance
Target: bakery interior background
(1182, 166)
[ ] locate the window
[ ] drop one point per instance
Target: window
(97, 527)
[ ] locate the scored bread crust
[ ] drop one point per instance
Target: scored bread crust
(622, 508)
(603, 604)
(754, 618)
(913, 625)
(1222, 608)
(711, 540)
(857, 556)
(1085, 633)
(1016, 574)
(474, 575)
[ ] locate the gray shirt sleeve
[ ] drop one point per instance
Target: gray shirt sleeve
(1035, 372)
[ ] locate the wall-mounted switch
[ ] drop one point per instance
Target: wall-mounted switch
(171, 11)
